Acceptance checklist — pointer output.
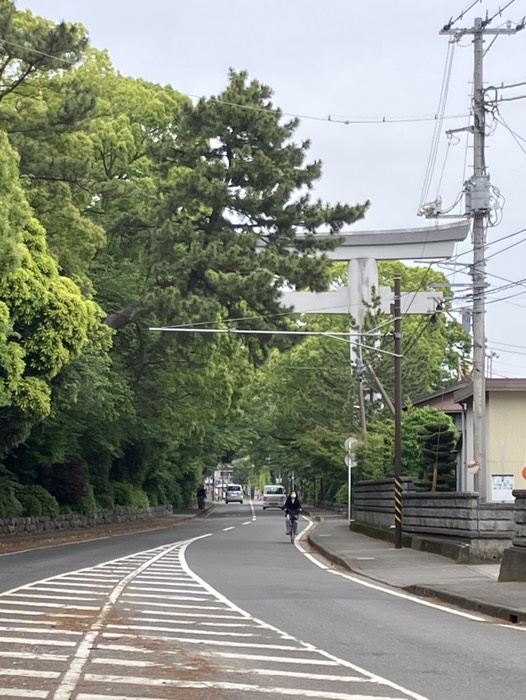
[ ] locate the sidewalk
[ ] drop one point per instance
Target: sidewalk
(472, 587)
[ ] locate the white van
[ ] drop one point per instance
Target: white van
(274, 496)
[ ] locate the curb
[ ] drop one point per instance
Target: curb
(329, 554)
(512, 615)
(502, 612)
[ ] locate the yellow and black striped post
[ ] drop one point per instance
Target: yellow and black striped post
(398, 512)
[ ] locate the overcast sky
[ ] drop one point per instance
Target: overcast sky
(377, 64)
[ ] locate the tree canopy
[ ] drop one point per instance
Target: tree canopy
(126, 207)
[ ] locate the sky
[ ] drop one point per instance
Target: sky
(368, 80)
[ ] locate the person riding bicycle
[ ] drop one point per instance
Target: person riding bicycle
(292, 506)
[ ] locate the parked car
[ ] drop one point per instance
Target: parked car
(234, 493)
(273, 496)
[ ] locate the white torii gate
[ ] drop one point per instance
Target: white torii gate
(362, 250)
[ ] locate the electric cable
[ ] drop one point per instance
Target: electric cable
(461, 16)
(435, 141)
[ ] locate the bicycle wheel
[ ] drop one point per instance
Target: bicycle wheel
(293, 528)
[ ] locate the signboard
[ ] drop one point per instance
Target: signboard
(502, 487)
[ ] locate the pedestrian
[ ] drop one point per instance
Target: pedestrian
(201, 497)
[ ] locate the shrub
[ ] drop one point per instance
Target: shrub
(88, 504)
(342, 495)
(10, 506)
(36, 500)
(128, 496)
(105, 501)
(68, 482)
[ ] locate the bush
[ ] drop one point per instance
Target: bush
(68, 482)
(30, 505)
(342, 495)
(128, 496)
(10, 506)
(105, 501)
(36, 500)
(88, 504)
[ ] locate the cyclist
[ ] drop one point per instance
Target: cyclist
(292, 506)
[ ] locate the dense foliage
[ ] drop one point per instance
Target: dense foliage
(125, 208)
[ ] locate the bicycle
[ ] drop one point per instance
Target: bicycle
(293, 525)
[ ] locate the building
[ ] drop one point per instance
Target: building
(506, 433)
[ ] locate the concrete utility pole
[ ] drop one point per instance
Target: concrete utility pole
(478, 206)
(397, 311)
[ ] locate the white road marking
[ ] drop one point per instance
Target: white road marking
(28, 673)
(196, 621)
(14, 693)
(82, 654)
(192, 615)
(151, 628)
(138, 596)
(226, 529)
(384, 589)
(37, 642)
(29, 655)
(306, 646)
(221, 685)
(205, 616)
(298, 674)
(275, 659)
(409, 597)
(42, 630)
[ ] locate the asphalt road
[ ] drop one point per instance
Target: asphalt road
(240, 557)
(433, 652)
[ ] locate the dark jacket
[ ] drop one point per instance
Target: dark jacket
(292, 506)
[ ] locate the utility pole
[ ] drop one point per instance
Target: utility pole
(397, 311)
(478, 206)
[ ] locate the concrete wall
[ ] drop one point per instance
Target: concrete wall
(454, 524)
(513, 566)
(456, 515)
(76, 520)
(373, 502)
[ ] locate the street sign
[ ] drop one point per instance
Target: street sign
(350, 443)
(349, 461)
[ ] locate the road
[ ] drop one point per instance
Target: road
(226, 607)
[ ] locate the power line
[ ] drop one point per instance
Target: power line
(461, 16)
(240, 331)
(435, 142)
(345, 120)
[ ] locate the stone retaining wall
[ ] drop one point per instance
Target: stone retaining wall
(373, 501)
(453, 523)
(513, 567)
(456, 515)
(72, 521)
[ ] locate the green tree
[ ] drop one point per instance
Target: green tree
(434, 346)
(430, 446)
(300, 407)
(44, 320)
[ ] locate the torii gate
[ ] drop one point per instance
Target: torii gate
(362, 250)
